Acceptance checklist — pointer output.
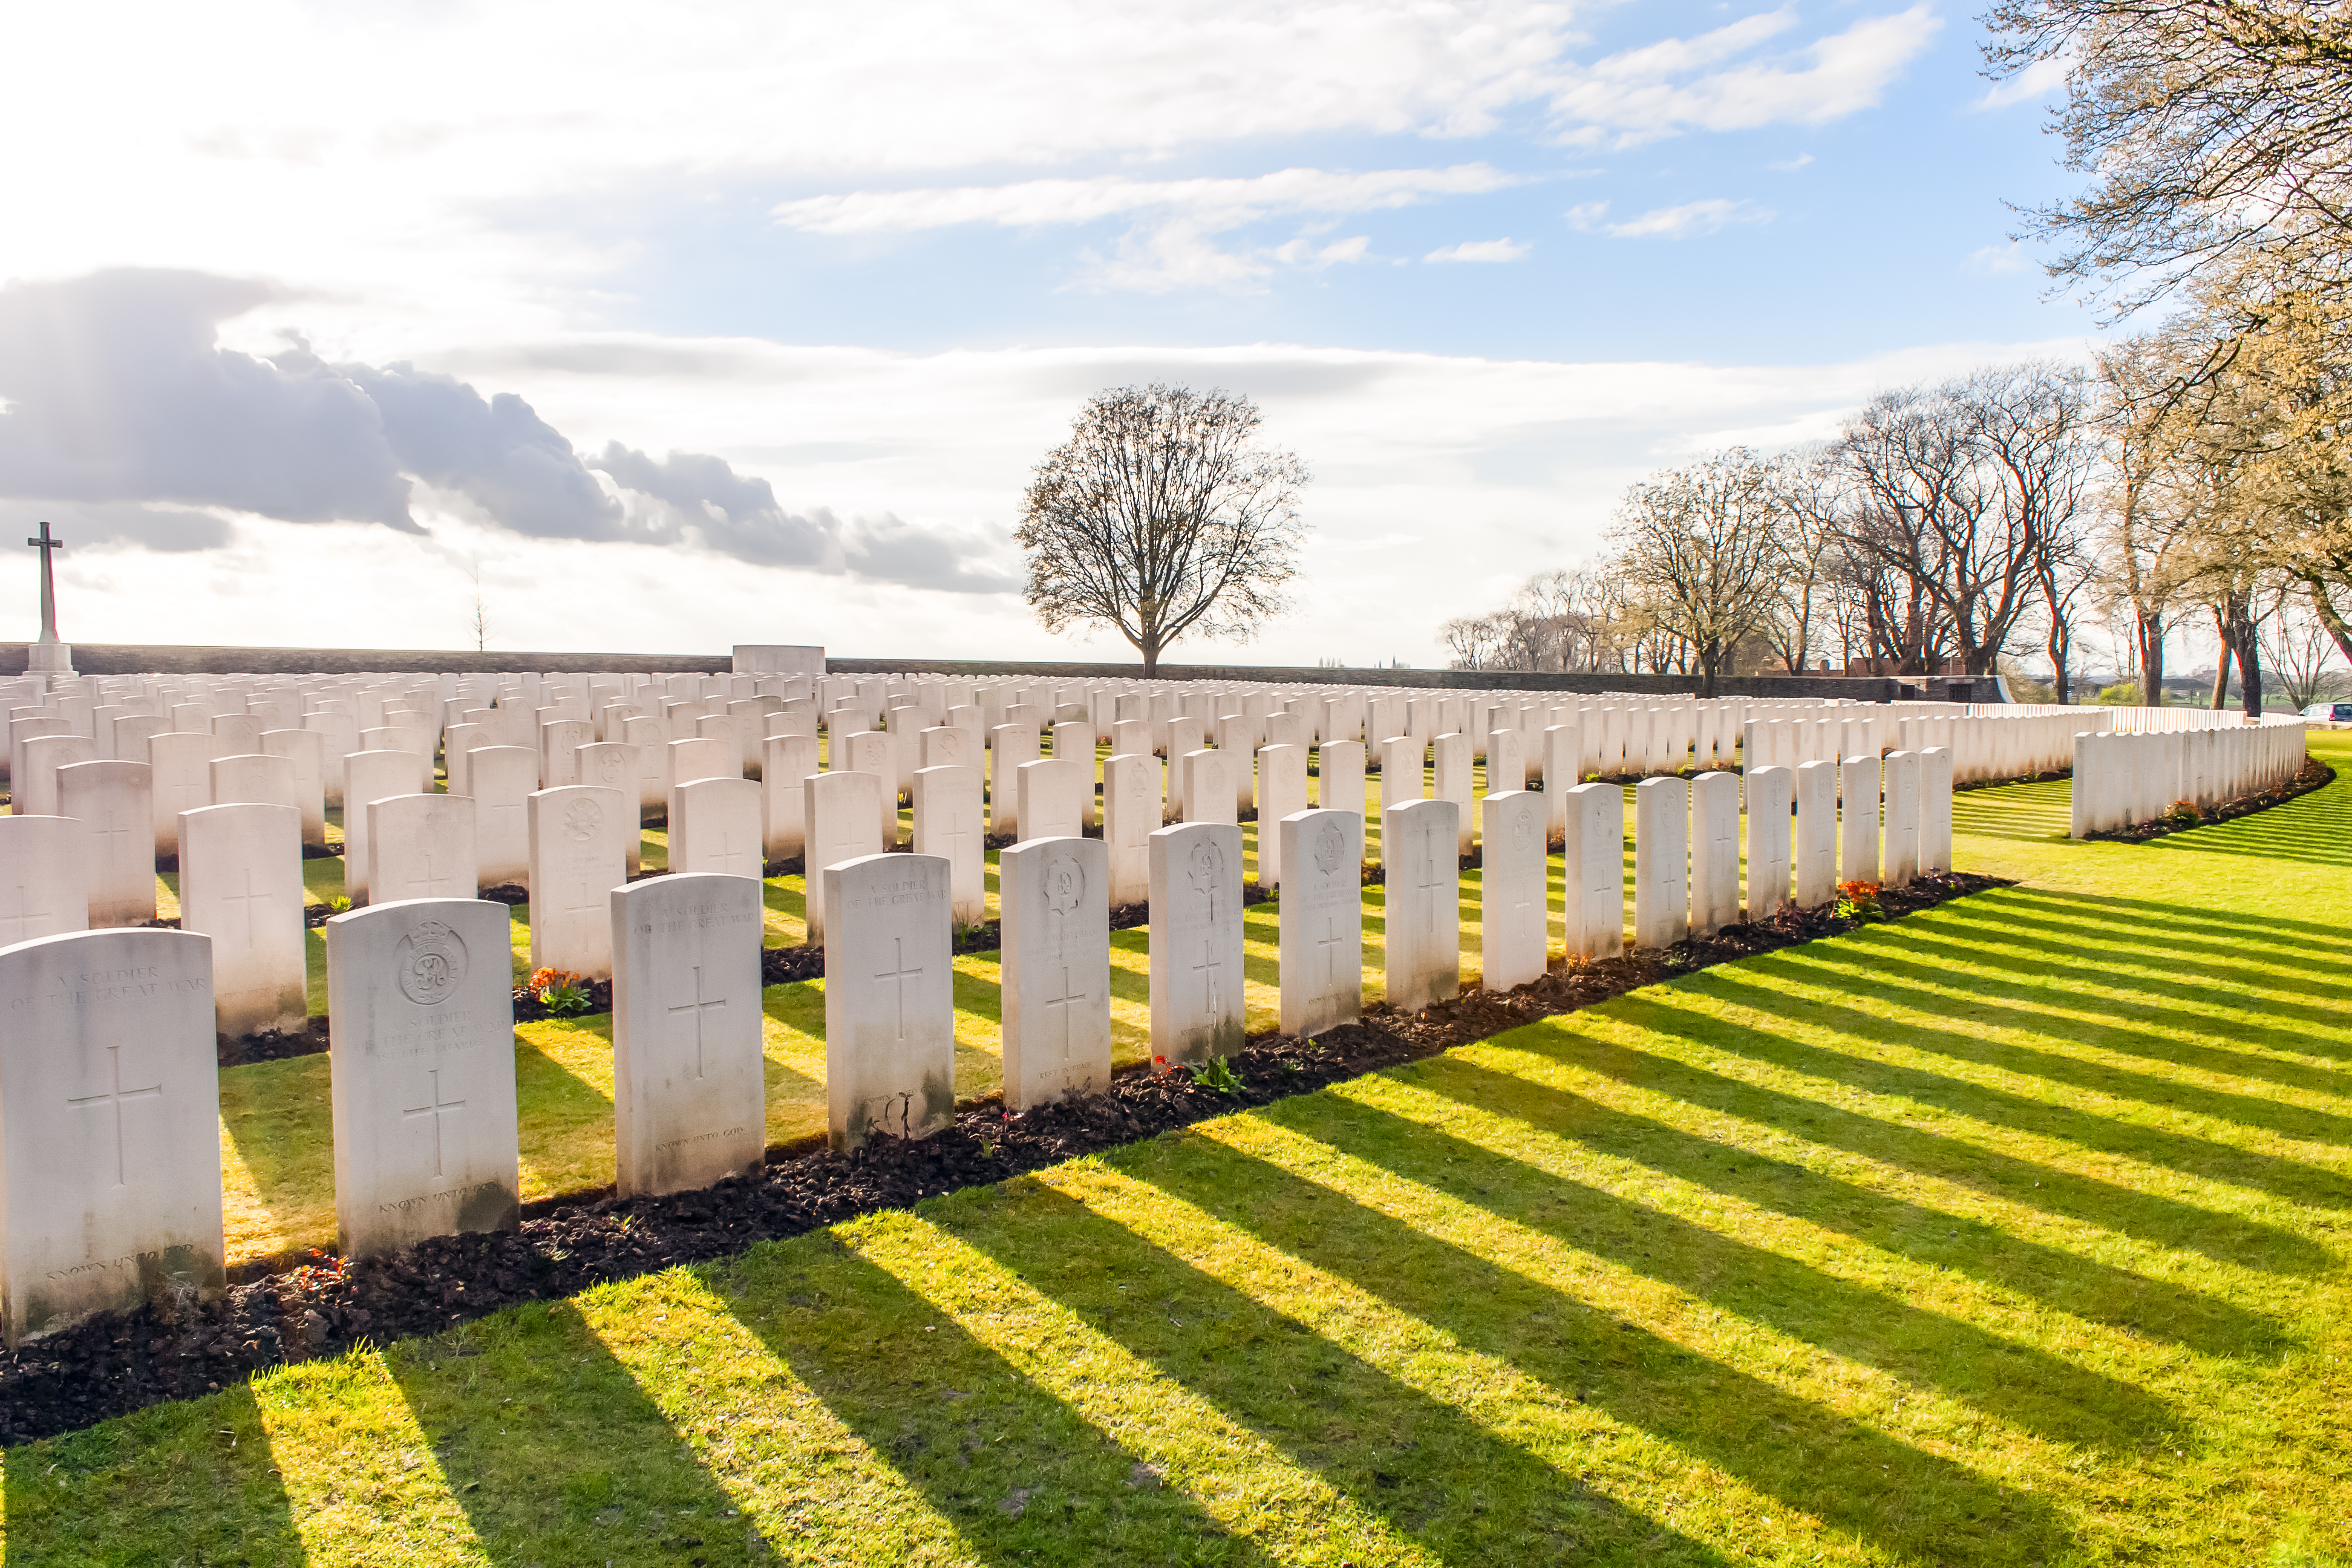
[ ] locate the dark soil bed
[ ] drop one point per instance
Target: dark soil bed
(113, 1364)
(2315, 774)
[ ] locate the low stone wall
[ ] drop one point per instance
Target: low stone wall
(142, 659)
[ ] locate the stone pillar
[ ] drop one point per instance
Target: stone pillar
(689, 1080)
(1661, 862)
(1514, 884)
(1423, 894)
(110, 1126)
(1320, 921)
(421, 1017)
(889, 998)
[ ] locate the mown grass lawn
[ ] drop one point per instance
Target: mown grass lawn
(2012, 1232)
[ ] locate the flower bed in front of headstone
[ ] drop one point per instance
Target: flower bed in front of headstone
(2183, 815)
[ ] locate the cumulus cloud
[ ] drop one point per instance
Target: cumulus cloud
(1482, 250)
(2035, 82)
(122, 417)
(1687, 220)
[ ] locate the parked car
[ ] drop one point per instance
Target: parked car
(2329, 712)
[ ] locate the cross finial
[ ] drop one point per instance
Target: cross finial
(49, 547)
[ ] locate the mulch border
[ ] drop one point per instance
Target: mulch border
(2315, 775)
(113, 1364)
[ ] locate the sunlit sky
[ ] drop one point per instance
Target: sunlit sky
(677, 327)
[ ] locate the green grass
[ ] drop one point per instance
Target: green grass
(2012, 1232)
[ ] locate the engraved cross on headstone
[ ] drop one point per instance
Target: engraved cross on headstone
(901, 974)
(698, 1007)
(1062, 1002)
(1431, 880)
(1330, 941)
(25, 917)
(245, 902)
(1209, 968)
(435, 1107)
(114, 1098)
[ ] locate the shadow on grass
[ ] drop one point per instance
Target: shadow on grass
(2023, 1005)
(2183, 1152)
(2146, 912)
(2148, 1217)
(1862, 1322)
(1424, 1465)
(2177, 963)
(1844, 1472)
(555, 1452)
(1016, 1471)
(192, 1480)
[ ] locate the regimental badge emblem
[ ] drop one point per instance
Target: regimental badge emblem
(1523, 832)
(1330, 847)
(582, 819)
(1206, 868)
(1066, 883)
(430, 963)
(608, 767)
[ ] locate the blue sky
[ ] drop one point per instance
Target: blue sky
(707, 325)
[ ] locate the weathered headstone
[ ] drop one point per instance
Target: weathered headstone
(180, 779)
(44, 878)
(948, 824)
(714, 827)
(306, 750)
(1506, 763)
(1449, 779)
(241, 885)
(1010, 746)
(1515, 907)
(1661, 862)
(1056, 969)
(1339, 776)
(615, 764)
(114, 803)
(421, 1020)
(503, 779)
(1593, 870)
(421, 846)
(889, 998)
(689, 1080)
(1319, 922)
(1194, 872)
(576, 837)
(1902, 856)
(1208, 786)
(1050, 798)
(1401, 771)
(838, 807)
(786, 764)
(1422, 890)
(109, 1127)
(1858, 821)
(35, 791)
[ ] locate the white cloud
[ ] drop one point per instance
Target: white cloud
(1638, 95)
(1688, 220)
(1791, 165)
(1586, 215)
(1994, 260)
(2035, 81)
(1482, 250)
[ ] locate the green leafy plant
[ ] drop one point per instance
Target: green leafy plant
(2183, 814)
(340, 906)
(1218, 1074)
(563, 994)
(1859, 902)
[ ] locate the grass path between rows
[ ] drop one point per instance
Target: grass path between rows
(2012, 1232)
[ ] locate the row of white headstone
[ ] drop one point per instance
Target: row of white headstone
(2121, 781)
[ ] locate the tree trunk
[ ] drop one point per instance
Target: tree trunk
(2057, 649)
(2221, 664)
(2148, 627)
(2249, 655)
(2324, 608)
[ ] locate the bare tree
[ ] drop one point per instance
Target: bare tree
(1809, 487)
(2301, 651)
(2211, 128)
(1161, 516)
(481, 613)
(1474, 641)
(1702, 545)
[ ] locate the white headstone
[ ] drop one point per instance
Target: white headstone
(1817, 834)
(110, 1126)
(1450, 774)
(1319, 920)
(114, 803)
(181, 780)
(1339, 776)
(689, 1080)
(421, 846)
(948, 824)
(838, 807)
(560, 740)
(241, 885)
(575, 839)
(1714, 852)
(1281, 792)
(1208, 786)
(421, 1020)
(306, 750)
(503, 779)
(1935, 809)
(1010, 746)
(949, 746)
(1858, 824)
(44, 878)
(1515, 908)
(1401, 771)
(786, 764)
(35, 791)
(617, 764)
(1193, 871)
(889, 998)
(1563, 760)
(1056, 969)
(1902, 855)
(1594, 852)
(1772, 794)
(1661, 862)
(367, 776)
(714, 827)
(1423, 902)
(1132, 813)
(1050, 798)
(1506, 761)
